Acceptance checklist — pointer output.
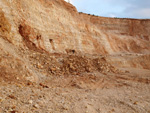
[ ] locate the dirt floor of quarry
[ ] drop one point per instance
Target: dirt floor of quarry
(37, 82)
(111, 93)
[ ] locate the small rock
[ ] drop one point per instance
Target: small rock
(12, 97)
(135, 103)
(1, 99)
(65, 107)
(113, 110)
(43, 85)
(53, 69)
(36, 106)
(17, 78)
(86, 106)
(127, 71)
(30, 101)
(13, 111)
(39, 66)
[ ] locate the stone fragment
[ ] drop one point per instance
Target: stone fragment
(30, 101)
(36, 106)
(12, 96)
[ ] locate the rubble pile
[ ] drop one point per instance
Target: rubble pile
(71, 64)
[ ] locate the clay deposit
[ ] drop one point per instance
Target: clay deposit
(54, 59)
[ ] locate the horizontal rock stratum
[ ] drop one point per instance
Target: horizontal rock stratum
(55, 26)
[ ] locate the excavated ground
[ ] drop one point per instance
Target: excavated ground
(39, 82)
(45, 68)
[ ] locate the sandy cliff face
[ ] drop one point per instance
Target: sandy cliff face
(56, 26)
(124, 35)
(56, 60)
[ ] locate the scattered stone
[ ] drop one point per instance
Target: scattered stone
(39, 66)
(12, 97)
(127, 71)
(1, 99)
(14, 111)
(29, 83)
(135, 103)
(36, 106)
(65, 107)
(17, 78)
(30, 101)
(113, 110)
(43, 85)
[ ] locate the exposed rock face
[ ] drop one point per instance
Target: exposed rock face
(56, 26)
(55, 60)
